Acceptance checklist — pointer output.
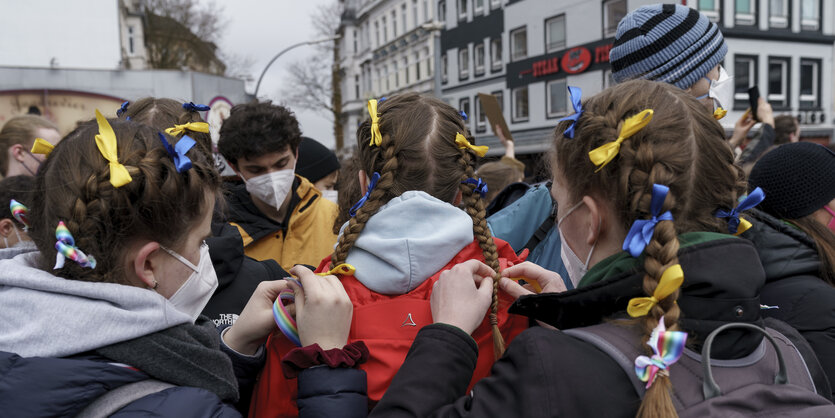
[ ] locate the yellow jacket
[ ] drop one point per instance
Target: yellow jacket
(306, 239)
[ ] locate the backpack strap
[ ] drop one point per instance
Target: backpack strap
(116, 399)
(618, 342)
(541, 232)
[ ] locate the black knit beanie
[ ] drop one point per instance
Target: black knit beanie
(797, 178)
(315, 160)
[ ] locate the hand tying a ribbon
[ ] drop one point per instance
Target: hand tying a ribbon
(576, 96)
(462, 143)
(178, 152)
(371, 185)
(65, 245)
(603, 154)
(737, 225)
(480, 186)
(642, 230)
(667, 347)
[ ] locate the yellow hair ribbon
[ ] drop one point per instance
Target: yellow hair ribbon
(462, 143)
(670, 282)
(601, 155)
(191, 126)
(376, 136)
(106, 141)
(719, 113)
(41, 146)
(743, 226)
(535, 284)
(343, 269)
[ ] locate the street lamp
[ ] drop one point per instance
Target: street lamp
(435, 29)
(317, 41)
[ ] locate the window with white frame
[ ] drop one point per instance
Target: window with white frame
(613, 12)
(810, 79)
(496, 54)
(444, 68)
(810, 14)
(377, 32)
(495, 4)
(394, 23)
(131, 46)
(415, 18)
(778, 81)
(778, 13)
(478, 6)
(385, 30)
(428, 61)
(442, 11)
(396, 75)
(557, 98)
(520, 104)
(417, 66)
(481, 117)
(357, 87)
(519, 44)
(356, 41)
(388, 77)
(709, 8)
(406, 70)
(478, 58)
(745, 12)
(426, 16)
(403, 17)
(462, 9)
(464, 105)
(499, 98)
(555, 33)
(745, 77)
(464, 62)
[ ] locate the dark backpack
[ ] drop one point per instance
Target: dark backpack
(771, 381)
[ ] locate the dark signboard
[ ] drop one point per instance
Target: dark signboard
(574, 60)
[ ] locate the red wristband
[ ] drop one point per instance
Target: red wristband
(301, 358)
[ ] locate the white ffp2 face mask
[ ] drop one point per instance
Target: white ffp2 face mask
(721, 90)
(331, 195)
(19, 240)
(573, 265)
(272, 188)
(191, 298)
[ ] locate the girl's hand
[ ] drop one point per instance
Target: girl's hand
(462, 295)
(256, 320)
(323, 309)
(548, 281)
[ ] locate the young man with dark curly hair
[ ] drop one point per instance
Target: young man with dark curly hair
(281, 216)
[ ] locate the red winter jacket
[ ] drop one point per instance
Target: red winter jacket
(387, 324)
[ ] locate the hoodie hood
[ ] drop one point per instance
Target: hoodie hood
(407, 241)
(49, 316)
(20, 248)
(783, 250)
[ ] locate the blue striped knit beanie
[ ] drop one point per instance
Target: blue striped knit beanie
(670, 43)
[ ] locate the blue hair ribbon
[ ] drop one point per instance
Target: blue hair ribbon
(123, 109)
(480, 186)
(576, 97)
(642, 230)
(463, 115)
(178, 152)
(191, 107)
(734, 223)
(382, 99)
(371, 185)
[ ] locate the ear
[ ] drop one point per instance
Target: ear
(595, 220)
(16, 152)
(7, 227)
(458, 197)
(144, 266)
(364, 180)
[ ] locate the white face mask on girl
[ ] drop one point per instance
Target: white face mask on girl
(331, 195)
(576, 268)
(195, 293)
(19, 241)
(271, 188)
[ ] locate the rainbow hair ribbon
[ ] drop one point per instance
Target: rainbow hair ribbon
(106, 141)
(462, 143)
(642, 230)
(178, 152)
(191, 107)
(667, 347)
(670, 281)
(19, 212)
(65, 245)
(605, 153)
(343, 269)
(376, 136)
(576, 96)
(191, 126)
(737, 225)
(42, 146)
(286, 323)
(371, 185)
(480, 186)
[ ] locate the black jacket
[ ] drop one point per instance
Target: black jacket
(546, 373)
(793, 284)
(237, 274)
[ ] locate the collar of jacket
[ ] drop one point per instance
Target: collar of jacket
(722, 282)
(785, 251)
(243, 211)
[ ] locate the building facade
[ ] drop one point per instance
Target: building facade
(527, 51)
(387, 47)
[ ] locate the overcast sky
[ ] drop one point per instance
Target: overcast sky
(260, 29)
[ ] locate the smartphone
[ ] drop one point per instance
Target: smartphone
(753, 100)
